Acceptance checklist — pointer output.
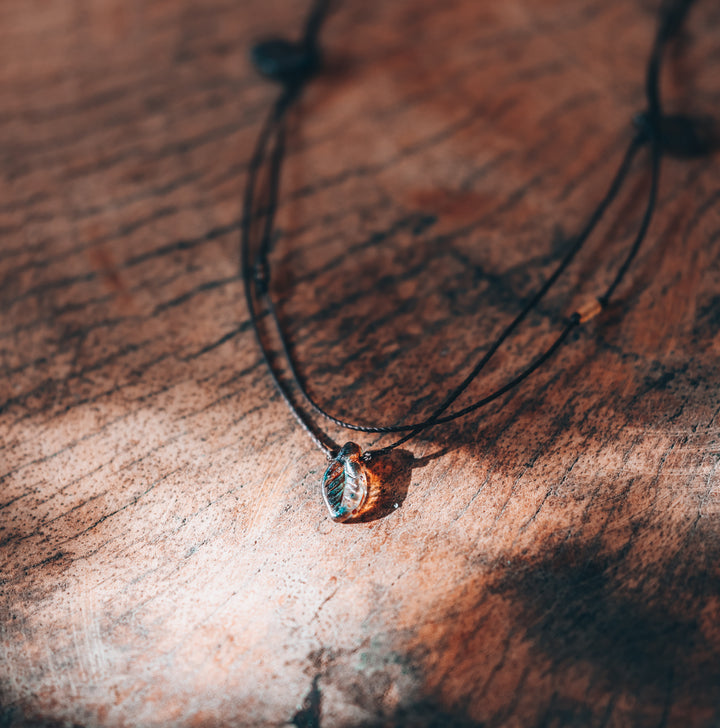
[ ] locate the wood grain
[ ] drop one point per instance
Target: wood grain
(165, 555)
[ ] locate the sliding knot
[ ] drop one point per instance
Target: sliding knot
(678, 134)
(285, 62)
(647, 125)
(261, 276)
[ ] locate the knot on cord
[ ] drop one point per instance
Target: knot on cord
(679, 135)
(286, 62)
(261, 275)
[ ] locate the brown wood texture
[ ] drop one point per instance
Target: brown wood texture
(166, 556)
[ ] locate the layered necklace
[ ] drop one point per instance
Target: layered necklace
(349, 478)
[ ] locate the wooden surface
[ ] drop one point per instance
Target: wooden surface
(166, 558)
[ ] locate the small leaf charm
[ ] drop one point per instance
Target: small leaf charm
(345, 483)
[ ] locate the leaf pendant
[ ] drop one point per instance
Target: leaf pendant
(345, 483)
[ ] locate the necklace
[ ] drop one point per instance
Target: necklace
(349, 477)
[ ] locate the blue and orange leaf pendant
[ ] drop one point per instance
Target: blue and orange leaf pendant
(345, 483)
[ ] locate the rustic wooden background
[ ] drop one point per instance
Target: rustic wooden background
(165, 555)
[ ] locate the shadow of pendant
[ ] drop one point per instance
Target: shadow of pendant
(359, 488)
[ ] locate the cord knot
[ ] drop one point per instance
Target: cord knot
(679, 135)
(286, 62)
(261, 276)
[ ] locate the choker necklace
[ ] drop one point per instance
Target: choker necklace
(349, 477)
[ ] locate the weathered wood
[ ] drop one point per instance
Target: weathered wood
(166, 555)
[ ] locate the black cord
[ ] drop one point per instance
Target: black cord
(292, 65)
(529, 306)
(258, 276)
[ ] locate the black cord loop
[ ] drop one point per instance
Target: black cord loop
(293, 64)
